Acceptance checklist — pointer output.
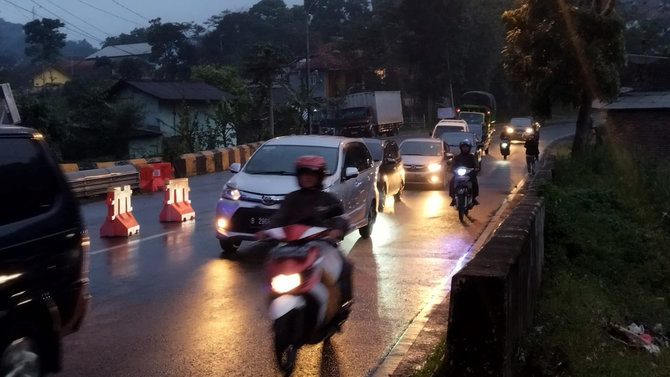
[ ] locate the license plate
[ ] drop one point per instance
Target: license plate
(259, 221)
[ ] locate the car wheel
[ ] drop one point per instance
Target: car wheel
(382, 199)
(229, 247)
(366, 231)
(20, 356)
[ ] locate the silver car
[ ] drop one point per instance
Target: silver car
(425, 161)
(250, 198)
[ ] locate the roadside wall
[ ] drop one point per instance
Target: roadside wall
(493, 297)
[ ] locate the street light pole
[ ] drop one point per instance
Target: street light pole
(307, 80)
(307, 84)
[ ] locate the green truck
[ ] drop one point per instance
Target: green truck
(478, 109)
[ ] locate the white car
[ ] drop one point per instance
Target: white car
(253, 194)
(449, 125)
(425, 161)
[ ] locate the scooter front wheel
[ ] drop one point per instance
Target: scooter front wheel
(286, 356)
(504, 157)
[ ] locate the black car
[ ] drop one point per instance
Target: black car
(43, 256)
(391, 174)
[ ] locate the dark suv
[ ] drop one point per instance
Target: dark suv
(43, 256)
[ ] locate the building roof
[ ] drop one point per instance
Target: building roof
(638, 100)
(175, 90)
(118, 51)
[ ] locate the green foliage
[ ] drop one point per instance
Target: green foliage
(43, 39)
(565, 52)
(171, 48)
(137, 35)
(605, 261)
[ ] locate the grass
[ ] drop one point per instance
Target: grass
(607, 261)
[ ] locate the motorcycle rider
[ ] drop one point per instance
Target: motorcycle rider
(532, 152)
(310, 205)
(468, 160)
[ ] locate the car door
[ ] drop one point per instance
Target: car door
(358, 188)
(346, 190)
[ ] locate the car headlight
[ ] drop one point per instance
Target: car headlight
(285, 283)
(461, 171)
(510, 130)
(221, 223)
(529, 130)
(434, 167)
(230, 193)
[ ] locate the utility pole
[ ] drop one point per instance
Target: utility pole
(307, 73)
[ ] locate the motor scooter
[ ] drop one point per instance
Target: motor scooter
(505, 147)
(310, 289)
(463, 190)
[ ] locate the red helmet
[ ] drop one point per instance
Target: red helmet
(311, 163)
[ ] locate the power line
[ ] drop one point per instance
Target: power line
(110, 13)
(81, 31)
(79, 18)
(128, 9)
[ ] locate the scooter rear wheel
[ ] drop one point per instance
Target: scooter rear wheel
(286, 358)
(504, 157)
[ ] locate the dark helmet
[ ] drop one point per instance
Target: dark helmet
(314, 164)
(465, 142)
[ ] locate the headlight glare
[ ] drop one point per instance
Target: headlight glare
(285, 283)
(230, 193)
(461, 171)
(434, 167)
(529, 130)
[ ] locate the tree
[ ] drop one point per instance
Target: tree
(43, 40)
(137, 35)
(264, 63)
(171, 48)
(565, 51)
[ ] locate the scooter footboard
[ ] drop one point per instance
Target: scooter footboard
(284, 304)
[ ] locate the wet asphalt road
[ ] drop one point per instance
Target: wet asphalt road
(165, 304)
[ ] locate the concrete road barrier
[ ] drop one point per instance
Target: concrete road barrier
(493, 297)
(204, 162)
(221, 159)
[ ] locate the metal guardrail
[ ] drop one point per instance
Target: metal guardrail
(86, 183)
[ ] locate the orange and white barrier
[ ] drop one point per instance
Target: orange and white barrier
(176, 204)
(120, 221)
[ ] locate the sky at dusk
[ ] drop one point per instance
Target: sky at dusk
(95, 20)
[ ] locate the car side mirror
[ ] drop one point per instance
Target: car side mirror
(350, 172)
(235, 167)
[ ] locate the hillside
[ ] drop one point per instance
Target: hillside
(12, 45)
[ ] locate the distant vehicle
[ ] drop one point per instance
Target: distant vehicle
(453, 139)
(520, 128)
(476, 105)
(367, 114)
(250, 198)
(425, 161)
(391, 174)
(43, 257)
(449, 125)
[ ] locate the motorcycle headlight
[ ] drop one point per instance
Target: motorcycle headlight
(230, 193)
(434, 167)
(529, 130)
(504, 145)
(285, 283)
(461, 171)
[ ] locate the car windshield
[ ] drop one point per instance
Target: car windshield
(439, 130)
(280, 159)
(520, 122)
(420, 148)
(375, 149)
(473, 118)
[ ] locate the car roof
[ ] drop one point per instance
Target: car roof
(312, 140)
(423, 139)
(451, 121)
(17, 131)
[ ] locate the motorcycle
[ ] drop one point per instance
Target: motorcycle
(505, 145)
(310, 289)
(463, 190)
(504, 148)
